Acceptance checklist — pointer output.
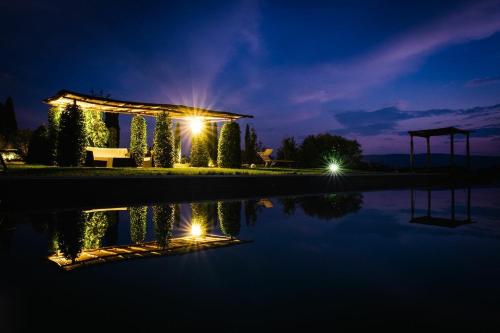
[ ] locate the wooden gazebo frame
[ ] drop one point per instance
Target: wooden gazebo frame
(102, 104)
(451, 131)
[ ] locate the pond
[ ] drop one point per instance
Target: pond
(411, 258)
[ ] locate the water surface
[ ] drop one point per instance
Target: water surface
(339, 259)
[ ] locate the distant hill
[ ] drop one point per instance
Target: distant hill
(438, 160)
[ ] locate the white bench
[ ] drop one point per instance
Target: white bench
(108, 154)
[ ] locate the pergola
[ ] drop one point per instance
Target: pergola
(103, 104)
(451, 131)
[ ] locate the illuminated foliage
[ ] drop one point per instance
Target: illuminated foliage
(71, 138)
(177, 143)
(54, 120)
(163, 146)
(229, 149)
(96, 132)
(163, 222)
(96, 224)
(138, 221)
(199, 149)
(316, 150)
(138, 139)
(229, 217)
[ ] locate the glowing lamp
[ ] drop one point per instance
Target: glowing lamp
(334, 168)
(196, 125)
(196, 230)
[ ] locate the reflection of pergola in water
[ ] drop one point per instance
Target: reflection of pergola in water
(176, 246)
(451, 131)
(451, 222)
(102, 104)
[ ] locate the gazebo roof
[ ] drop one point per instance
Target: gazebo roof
(102, 104)
(438, 131)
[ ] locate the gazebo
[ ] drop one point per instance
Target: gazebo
(451, 131)
(102, 104)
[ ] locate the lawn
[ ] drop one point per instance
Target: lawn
(19, 170)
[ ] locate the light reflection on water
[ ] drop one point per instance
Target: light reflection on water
(342, 258)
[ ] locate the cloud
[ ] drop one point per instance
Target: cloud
(483, 82)
(397, 57)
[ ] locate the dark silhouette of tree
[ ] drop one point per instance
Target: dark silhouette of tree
(288, 204)
(21, 141)
(331, 206)
(138, 139)
(177, 215)
(229, 149)
(71, 139)
(288, 150)
(70, 229)
(163, 146)
(229, 217)
(138, 222)
(39, 148)
(251, 145)
(111, 235)
(177, 143)
(317, 150)
(112, 122)
(10, 121)
(163, 222)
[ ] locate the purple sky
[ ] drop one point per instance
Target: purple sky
(369, 70)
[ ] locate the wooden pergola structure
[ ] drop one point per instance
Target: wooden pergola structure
(451, 131)
(103, 104)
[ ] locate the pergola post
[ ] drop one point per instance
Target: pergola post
(428, 139)
(429, 199)
(452, 150)
(411, 152)
(453, 204)
(468, 150)
(412, 202)
(468, 204)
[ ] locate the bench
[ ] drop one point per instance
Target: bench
(108, 157)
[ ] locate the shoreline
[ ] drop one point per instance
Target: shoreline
(85, 191)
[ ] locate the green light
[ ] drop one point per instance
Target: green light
(334, 167)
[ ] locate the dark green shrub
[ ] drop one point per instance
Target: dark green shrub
(229, 150)
(138, 139)
(199, 149)
(229, 217)
(163, 146)
(288, 150)
(112, 122)
(71, 138)
(70, 227)
(38, 148)
(317, 150)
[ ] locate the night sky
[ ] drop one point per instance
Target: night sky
(369, 70)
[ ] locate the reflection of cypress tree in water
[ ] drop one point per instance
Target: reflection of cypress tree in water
(70, 227)
(163, 222)
(96, 224)
(331, 205)
(288, 204)
(138, 221)
(251, 209)
(202, 213)
(111, 235)
(229, 217)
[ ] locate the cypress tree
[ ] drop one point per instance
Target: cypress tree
(177, 143)
(199, 150)
(10, 129)
(138, 139)
(229, 217)
(54, 119)
(163, 146)
(246, 152)
(229, 150)
(213, 142)
(38, 148)
(112, 122)
(138, 222)
(163, 223)
(71, 138)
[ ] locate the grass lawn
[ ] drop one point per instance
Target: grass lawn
(19, 170)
